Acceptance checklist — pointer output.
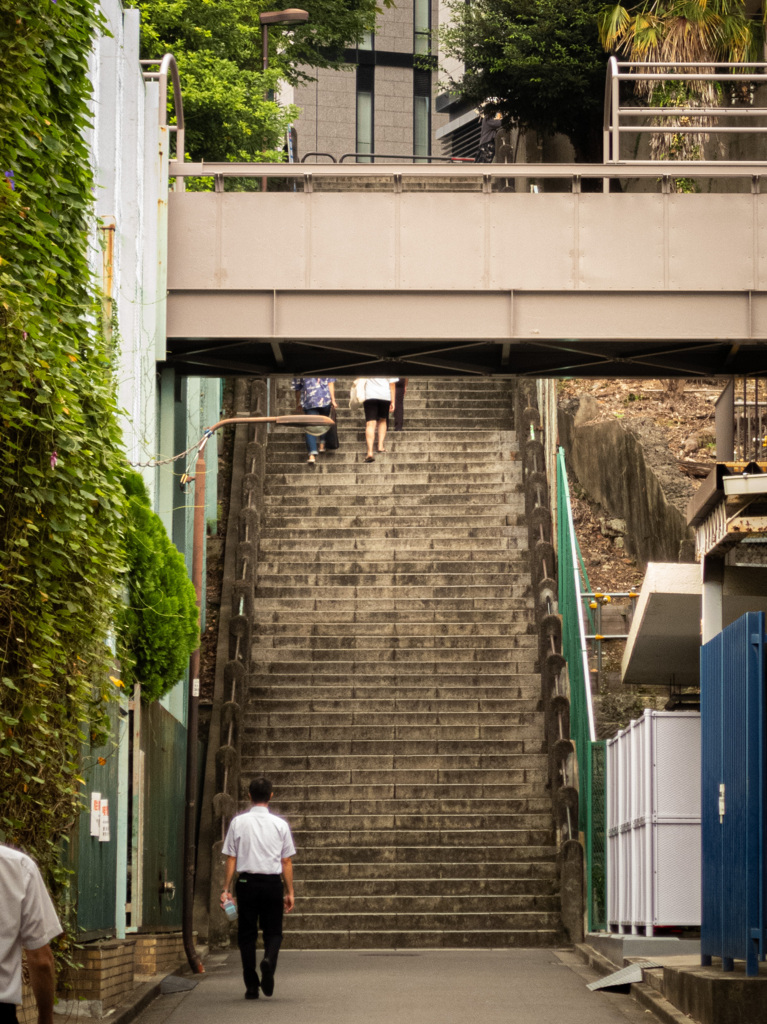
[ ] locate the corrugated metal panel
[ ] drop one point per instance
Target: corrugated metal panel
(163, 740)
(95, 861)
(733, 793)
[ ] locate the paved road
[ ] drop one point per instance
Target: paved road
(525, 986)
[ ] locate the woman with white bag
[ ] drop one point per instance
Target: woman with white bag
(377, 397)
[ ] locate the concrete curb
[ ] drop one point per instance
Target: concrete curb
(644, 994)
(141, 996)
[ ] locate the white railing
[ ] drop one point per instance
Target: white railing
(620, 118)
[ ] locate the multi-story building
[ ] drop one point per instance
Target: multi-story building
(382, 102)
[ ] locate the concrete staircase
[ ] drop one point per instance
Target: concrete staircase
(393, 700)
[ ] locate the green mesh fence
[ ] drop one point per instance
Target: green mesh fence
(590, 754)
(596, 838)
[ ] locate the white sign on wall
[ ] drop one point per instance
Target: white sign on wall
(96, 814)
(104, 834)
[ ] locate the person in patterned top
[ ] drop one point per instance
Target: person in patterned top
(316, 396)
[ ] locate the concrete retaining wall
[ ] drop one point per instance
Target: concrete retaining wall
(609, 463)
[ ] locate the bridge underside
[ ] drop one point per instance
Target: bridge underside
(640, 284)
(233, 357)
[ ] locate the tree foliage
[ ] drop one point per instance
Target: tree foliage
(158, 625)
(539, 62)
(61, 503)
(218, 50)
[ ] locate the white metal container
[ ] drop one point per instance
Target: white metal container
(653, 823)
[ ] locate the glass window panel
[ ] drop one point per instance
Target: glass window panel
(421, 140)
(366, 43)
(422, 26)
(364, 124)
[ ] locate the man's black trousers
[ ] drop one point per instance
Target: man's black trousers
(259, 906)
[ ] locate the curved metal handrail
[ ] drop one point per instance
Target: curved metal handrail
(372, 157)
(306, 156)
(168, 66)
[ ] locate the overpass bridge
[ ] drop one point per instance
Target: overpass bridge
(397, 268)
(422, 269)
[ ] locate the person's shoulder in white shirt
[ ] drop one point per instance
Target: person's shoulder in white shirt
(28, 919)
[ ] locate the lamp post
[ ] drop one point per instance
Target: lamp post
(310, 424)
(290, 16)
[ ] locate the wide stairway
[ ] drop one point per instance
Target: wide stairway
(393, 699)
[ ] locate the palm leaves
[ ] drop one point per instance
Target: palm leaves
(676, 31)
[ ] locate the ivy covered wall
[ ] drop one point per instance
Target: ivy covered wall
(61, 502)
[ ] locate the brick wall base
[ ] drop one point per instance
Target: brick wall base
(110, 969)
(159, 954)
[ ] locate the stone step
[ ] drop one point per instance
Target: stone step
(327, 484)
(376, 562)
(381, 472)
(525, 887)
(403, 776)
(430, 655)
(390, 531)
(404, 622)
(306, 695)
(438, 938)
(514, 756)
(409, 903)
(541, 871)
(445, 470)
(423, 441)
(266, 716)
(421, 385)
(457, 591)
(342, 808)
(506, 793)
(363, 753)
(320, 732)
(412, 918)
(419, 853)
(508, 627)
(365, 638)
(457, 549)
(269, 575)
(352, 458)
(381, 841)
(432, 602)
(348, 503)
(405, 824)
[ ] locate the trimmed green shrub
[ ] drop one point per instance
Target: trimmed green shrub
(159, 627)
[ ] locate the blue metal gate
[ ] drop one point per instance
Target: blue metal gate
(733, 766)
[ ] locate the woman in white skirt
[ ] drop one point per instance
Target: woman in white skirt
(379, 402)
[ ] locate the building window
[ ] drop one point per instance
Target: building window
(421, 26)
(422, 113)
(365, 94)
(367, 42)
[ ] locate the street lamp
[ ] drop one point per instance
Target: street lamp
(290, 16)
(316, 425)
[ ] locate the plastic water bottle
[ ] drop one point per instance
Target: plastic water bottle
(230, 909)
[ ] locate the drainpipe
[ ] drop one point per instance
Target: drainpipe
(190, 809)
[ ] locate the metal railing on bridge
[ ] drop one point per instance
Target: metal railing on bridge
(736, 81)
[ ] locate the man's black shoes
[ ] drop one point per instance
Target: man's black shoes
(267, 977)
(252, 993)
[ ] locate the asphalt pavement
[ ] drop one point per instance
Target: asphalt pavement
(512, 986)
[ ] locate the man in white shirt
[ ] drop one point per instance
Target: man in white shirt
(28, 921)
(259, 846)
